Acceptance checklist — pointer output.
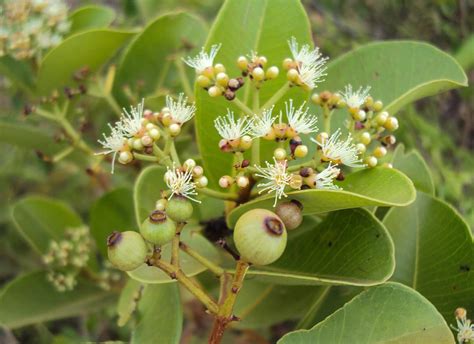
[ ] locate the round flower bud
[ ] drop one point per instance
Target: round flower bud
(149, 126)
(258, 74)
(245, 142)
(166, 119)
(292, 75)
(125, 157)
(189, 163)
(229, 94)
(137, 144)
(222, 79)
(369, 101)
(287, 63)
(202, 182)
(378, 105)
(279, 129)
(198, 171)
(381, 118)
(126, 250)
(316, 99)
(260, 236)
(219, 68)
(233, 84)
(174, 129)
(214, 91)
(460, 313)
(380, 152)
(360, 115)
(361, 148)
(365, 138)
(161, 204)
(262, 60)
(154, 134)
(279, 154)
(146, 140)
(371, 161)
(296, 181)
(203, 81)
(225, 182)
(389, 140)
(242, 63)
(387, 164)
(290, 213)
(301, 151)
(157, 228)
(272, 73)
(179, 209)
(322, 137)
(391, 124)
(242, 181)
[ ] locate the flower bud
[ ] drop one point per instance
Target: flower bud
(371, 161)
(166, 119)
(214, 91)
(391, 124)
(198, 171)
(381, 118)
(137, 144)
(233, 84)
(229, 94)
(146, 140)
(219, 68)
(361, 148)
(290, 213)
(189, 163)
(258, 74)
(161, 204)
(260, 236)
(179, 209)
(272, 73)
(125, 157)
(222, 79)
(226, 181)
(208, 72)
(296, 181)
(301, 151)
(126, 250)
(387, 165)
(157, 228)
(174, 129)
(262, 60)
(460, 313)
(378, 105)
(242, 181)
(380, 152)
(322, 137)
(203, 81)
(245, 142)
(287, 63)
(365, 138)
(316, 99)
(242, 63)
(292, 75)
(360, 115)
(154, 134)
(279, 154)
(202, 182)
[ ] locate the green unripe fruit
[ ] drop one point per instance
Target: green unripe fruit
(158, 229)
(126, 250)
(260, 236)
(290, 213)
(179, 209)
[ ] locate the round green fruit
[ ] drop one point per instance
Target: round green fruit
(158, 228)
(260, 236)
(179, 209)
(290, 213)
(126, 250)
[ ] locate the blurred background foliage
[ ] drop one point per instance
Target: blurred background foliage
(441, 127)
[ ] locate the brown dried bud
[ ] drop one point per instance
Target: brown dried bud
(229, 94)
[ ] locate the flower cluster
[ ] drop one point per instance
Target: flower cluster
(371, 127)
(30, 27)
(138, 130)
(66, 257)
(183, 181)
(255, 68)
(464, 329)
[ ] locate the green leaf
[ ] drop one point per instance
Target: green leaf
(41, 220)
(261, 305)
(150, 56)
(28, 137)
(127, 303)
(349, 247)
(258, 26)
(95, 46)
(399, 72)
(160, 315)
(113, 211)
(434, 252)
(414, 166)
(190, 236)
(31, 299)
(465, 54)
(91, 17)
(147, 190)
(370, 187)
(390, 313)
(18, 72)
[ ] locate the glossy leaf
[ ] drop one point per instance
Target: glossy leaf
(128, 301)
(41, 220)
(434, 252)
(258, 26)
(18, 72)
(390, 313)
(160, 315)
(150, 56)
(95, 46)
(399, 72)
(190, 236)
(31, 299)
(113, 211)
(378, 186)
(414, 166)
(349, 247)
(91, 17)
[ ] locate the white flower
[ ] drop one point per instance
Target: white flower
(262, 124)
(465, 330)
(325, 178)
(179, 110)
(354, 99)
(181, 183)
(301, 121)
(277, 179)
(339, 151)
(113, 143)
(230, 129)
(202, 60)
(131, 122)
(310, 61)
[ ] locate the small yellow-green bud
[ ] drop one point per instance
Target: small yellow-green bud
(279, 153)
(301, 151)
(258, 74)
(272, 73)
